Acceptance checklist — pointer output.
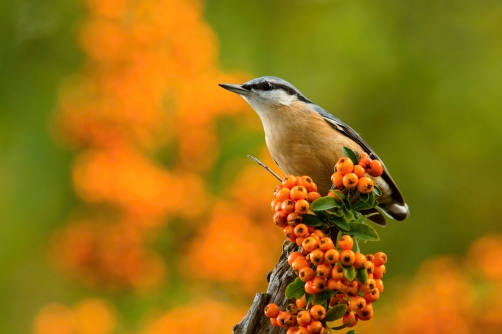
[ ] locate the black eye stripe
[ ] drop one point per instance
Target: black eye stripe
(275, 85)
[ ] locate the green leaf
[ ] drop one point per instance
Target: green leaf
(349, 272)
(377, 191)
(362, 275)
(363, 232)
(336, 312)
(366, 201)
(308, 299)
(350, 154)
(351, 332)
(296, 289)
(324, 203)
(347, 324)
(341, 223)
(311, 220)
(322, 297)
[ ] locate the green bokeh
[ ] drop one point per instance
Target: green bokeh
(420, 81)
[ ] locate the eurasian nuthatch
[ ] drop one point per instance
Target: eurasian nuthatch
(305, 139)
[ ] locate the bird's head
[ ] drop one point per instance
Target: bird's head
(266, 94)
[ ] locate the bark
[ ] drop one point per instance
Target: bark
(255, 321)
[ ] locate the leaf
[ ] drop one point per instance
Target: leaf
(312, 220)
(350, 154)
(349, 272)
(308, 299)
(366, 201)
(362, 275)
(341, 223)
(322, 297)
(377, 191)
(363, 232)
(347, 324)
(324, 203)
(296, 289)
(351, 332)
(336, 312)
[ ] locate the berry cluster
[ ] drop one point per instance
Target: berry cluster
(292, 200)
(334, 281)
(351, 176)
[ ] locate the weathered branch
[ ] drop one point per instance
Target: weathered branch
(255, 321)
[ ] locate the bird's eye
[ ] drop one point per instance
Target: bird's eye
(266, 86)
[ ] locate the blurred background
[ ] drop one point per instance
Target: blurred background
(127, 203)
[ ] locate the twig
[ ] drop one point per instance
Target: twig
(264, 166)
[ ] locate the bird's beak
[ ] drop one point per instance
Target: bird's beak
(237, 89)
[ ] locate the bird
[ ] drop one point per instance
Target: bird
(305, 139)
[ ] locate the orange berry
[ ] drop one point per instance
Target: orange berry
(366, 313)
(344, 165)
(309, 288)
(350, 180)
(282, 194)
(365, 185)
(312, 188)
(311, 229)
(278, 206)
(272, 310)
(302, 206)
(347, 257)
(326, 244)
(302, 302)
(297, 193)
(302, 330)
(303, 318)
(299, 263)
(359, 171)
(357, 303)
(317, 256)
(294, 219)
(289, 181)
(366, 164)
(370, 257)
(274, 204)
(345, 242)
(312, 196)
(334, 284)
(369, 267)
(362, 155)
(352, 289)
(337, 272)
(337, 179)
(379, 259)
(324, 270)
(292, 330)
(299, 241)
(274, 323)
(280, 219)
(310, 244)
(319, 233)
(317, 312)
(359, 261)
(315, 327)
(349, 317)
(285, 319)
(301, 230)
(292, 257)
(379, 285)
(306, 274)
(369, 285)
(319, 284)
(376, 168)
(372, 296)
(379, 272)
(305, 181)
(288, 206)
(289, 232)
(331, 256)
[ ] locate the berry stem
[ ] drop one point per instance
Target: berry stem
(265, 166)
